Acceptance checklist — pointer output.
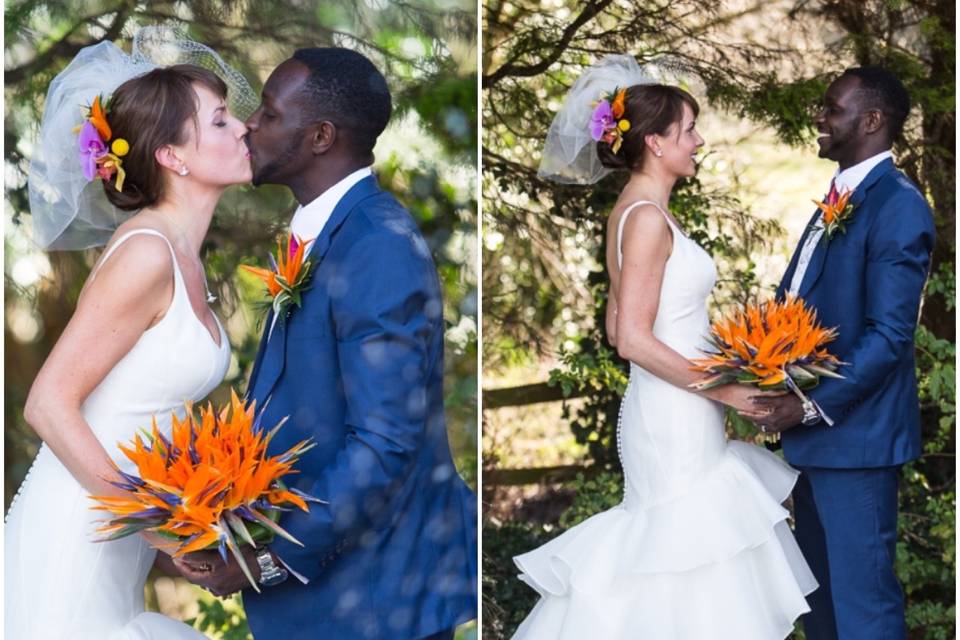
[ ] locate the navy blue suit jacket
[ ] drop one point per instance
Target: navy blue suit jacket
(359, 368)
(868, 283)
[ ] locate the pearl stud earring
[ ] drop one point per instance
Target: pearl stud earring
(183, 170)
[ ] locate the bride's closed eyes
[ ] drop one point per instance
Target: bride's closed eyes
(218, 115)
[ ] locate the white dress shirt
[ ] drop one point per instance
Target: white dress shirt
(846, 180)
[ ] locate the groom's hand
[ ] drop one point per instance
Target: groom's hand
(208, 570)
(779, 412)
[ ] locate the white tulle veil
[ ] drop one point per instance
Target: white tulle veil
(68, 211)
(570, 153)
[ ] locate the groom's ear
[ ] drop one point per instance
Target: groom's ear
(873, 121)
(323, 136)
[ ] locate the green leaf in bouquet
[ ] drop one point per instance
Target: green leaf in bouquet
(746, 377)
(274, 527)
(238, 527)
(801, 376)
(822, 371)
(235, 549)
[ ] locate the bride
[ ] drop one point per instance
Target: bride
(699, 547)
(142, 339)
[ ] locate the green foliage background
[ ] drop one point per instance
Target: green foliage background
(764, 62)
(427, 158)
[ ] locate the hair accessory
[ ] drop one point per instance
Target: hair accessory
(607, 122)
(97, 159)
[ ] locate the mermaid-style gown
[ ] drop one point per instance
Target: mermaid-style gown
(700, 546)
(59, 582)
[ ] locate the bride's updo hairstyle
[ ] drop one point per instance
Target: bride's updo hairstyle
(650, 109)
(150, 111)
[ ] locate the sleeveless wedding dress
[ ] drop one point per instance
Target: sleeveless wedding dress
(59, 582)
(700, 546)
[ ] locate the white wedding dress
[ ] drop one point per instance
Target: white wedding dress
(700, 546)
(61, 584)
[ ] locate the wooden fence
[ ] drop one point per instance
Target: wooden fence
(519, 396)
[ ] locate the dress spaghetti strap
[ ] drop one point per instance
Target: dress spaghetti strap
(123, 238)
(623, 220)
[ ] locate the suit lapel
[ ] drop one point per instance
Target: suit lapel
(860, 193)
(819, 257)
(273, 358)
(815, 266)
(258, 360)
(792, 267)
(360, 191)
(271, 365)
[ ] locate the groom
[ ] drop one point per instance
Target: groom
(358, 368)
(851, 438)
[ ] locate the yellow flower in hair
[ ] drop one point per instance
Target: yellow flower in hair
(624, 125)
(120, 147)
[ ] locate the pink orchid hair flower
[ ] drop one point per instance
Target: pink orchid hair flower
(92, 149)
(601, 120)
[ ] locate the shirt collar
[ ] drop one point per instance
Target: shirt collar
(851, 177)
(309, 219)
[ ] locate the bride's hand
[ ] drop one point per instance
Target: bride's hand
(155, 540)
(740, 398)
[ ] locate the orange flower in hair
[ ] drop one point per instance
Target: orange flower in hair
(98, 118)
(617, 105)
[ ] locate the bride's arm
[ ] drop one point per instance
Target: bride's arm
(134, 287)
(611, 317)
(646, 247)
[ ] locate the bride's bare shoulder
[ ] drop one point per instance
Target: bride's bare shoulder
(643, 217)
(135, 262)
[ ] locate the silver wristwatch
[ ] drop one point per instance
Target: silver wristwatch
(270, 574)
(810, 414)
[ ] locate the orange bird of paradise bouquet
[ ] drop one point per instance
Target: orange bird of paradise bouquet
(773, 345)
(287, 276)
(210, 484)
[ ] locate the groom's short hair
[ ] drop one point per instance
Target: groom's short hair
(881, 90)
(345, 88)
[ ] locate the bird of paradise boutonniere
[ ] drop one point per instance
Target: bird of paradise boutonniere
(837, 211)
(210, 484)
(773, 346)
(287, 277)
